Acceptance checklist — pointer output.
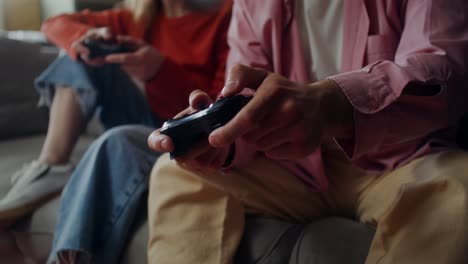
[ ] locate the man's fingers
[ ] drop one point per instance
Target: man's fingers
(160, 142)
(184, 112)
(199, 99)
(241, 124)
(240, 77)
(263, 104)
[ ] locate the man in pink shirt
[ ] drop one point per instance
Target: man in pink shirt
(374, 141)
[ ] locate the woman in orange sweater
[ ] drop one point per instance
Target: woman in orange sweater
(177, 46)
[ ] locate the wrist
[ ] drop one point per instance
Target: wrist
(230, 156)
(336, 110)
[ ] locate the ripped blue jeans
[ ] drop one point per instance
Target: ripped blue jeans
(106, 190)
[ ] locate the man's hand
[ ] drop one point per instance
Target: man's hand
(203, 155)
(142, 64)
(285, 120)
(83, 52)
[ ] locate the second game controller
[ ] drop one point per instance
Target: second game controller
(100, 48)
(190, 129)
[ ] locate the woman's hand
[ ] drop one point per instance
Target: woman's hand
(83, 52)
(284, 119)
(202, 155)
(142, 64)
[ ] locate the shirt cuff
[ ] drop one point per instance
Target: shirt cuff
(243, 154)
(369, 96)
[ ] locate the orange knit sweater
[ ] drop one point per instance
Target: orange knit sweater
(194, 46)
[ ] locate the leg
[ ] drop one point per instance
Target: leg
(102, 197)
(65, 125)
(421, 211)
(76, 91)
(67, 88)
(198, 218)
(38, 182)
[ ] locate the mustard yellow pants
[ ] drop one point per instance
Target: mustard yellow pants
(420, 210)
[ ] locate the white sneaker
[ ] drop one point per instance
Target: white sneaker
(32, 186)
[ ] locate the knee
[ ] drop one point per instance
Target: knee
(123, 134)
(161, 169)
(162, 184)
(119, 132)
(442, 181)
(450, 166)
(168, 178)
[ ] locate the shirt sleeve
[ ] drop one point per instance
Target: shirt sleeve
(243, 41)
(248, 51)
(407, 98)
(65, 29)
(222, 51)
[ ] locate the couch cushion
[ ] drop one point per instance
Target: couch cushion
(333, 241)
(21, 63)
(21, 118)
(267, 241)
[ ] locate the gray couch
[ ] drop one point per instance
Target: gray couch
(22, 130)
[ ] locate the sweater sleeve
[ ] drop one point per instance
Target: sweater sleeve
(174, 77)
(65, 29)
(407, 98)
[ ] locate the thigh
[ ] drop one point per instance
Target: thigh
(435, 176)
(107, 88)
(346, 181)
(263, 187)
(105, 191)
(422, 205)
(118, 162)
(65, 72)
(120, 101)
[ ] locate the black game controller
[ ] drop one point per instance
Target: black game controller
(190, 129)
(100, 48)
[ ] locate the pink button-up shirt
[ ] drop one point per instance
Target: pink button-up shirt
(404, 66)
